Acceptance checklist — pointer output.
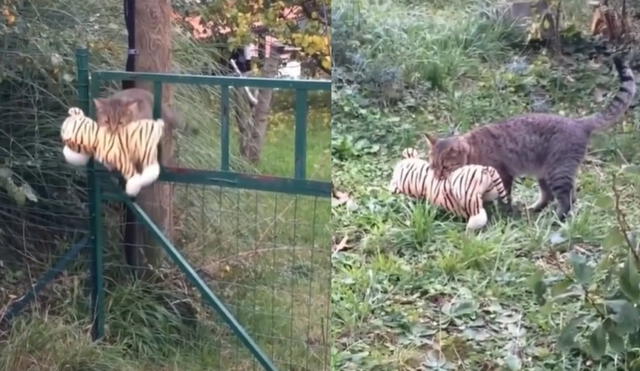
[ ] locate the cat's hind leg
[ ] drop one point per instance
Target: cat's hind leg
(546, 196)
(562, 185)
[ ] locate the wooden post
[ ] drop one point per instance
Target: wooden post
(253, 120)
(153, 42)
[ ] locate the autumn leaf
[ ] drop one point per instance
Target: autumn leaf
(326, 62)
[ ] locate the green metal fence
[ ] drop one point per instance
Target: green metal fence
(227, 188)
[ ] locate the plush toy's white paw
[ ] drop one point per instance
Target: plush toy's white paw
(75, 158)
(149, 174)
(134, 185)
(477, 221)
(392, 187)
(138, 181)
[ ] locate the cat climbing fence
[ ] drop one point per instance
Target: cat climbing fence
(279, 311)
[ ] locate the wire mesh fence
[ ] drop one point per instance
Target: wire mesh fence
(265, 255)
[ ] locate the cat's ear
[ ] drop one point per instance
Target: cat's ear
(100, 104)
(430, 139)
(132, 106)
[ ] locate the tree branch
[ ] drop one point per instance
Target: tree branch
(622, 218)
(309, 6)
(585, 290)
(252, 98)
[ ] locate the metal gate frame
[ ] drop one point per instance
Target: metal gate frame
(100, 186)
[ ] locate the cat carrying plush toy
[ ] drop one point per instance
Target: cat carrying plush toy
(132, 149)
(461, 193)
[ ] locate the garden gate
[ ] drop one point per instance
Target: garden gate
(101, 189)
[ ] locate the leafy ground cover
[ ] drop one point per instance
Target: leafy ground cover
(410, 289)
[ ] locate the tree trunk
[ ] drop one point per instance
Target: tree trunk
(153, 42)
(254, 120)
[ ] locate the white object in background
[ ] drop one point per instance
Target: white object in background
(250, 51)
(292, 69)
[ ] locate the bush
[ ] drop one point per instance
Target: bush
(600, 297)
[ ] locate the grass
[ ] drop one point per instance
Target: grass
(278, 154)
(412, 288)
(30, 347)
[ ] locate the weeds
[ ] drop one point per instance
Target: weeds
(48, 343)
(399, 51)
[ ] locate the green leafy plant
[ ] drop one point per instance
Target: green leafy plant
(608, 326)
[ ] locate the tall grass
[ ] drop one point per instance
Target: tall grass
(45, 343)
(388, 45)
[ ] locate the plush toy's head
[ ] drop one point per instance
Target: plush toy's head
(77, 134)
(410, 152)
(69, 130)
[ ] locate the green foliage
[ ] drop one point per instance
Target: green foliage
(242, 18)
(49, 344)
(394, 52)
(146, 320)
(611, 319)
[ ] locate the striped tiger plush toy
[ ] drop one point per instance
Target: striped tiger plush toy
(462, 193)
(132, 149)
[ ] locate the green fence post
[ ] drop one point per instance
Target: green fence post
(82, 83)
(302, 109)
(224, 128)
(86, 90)
(157, 100)
(97, 264)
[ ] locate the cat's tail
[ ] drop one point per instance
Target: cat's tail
(613, 112)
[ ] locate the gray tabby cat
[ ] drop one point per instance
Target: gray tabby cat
(129, 105)
(546, 146)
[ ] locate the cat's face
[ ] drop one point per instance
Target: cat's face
(113, 112)
(447, 154)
